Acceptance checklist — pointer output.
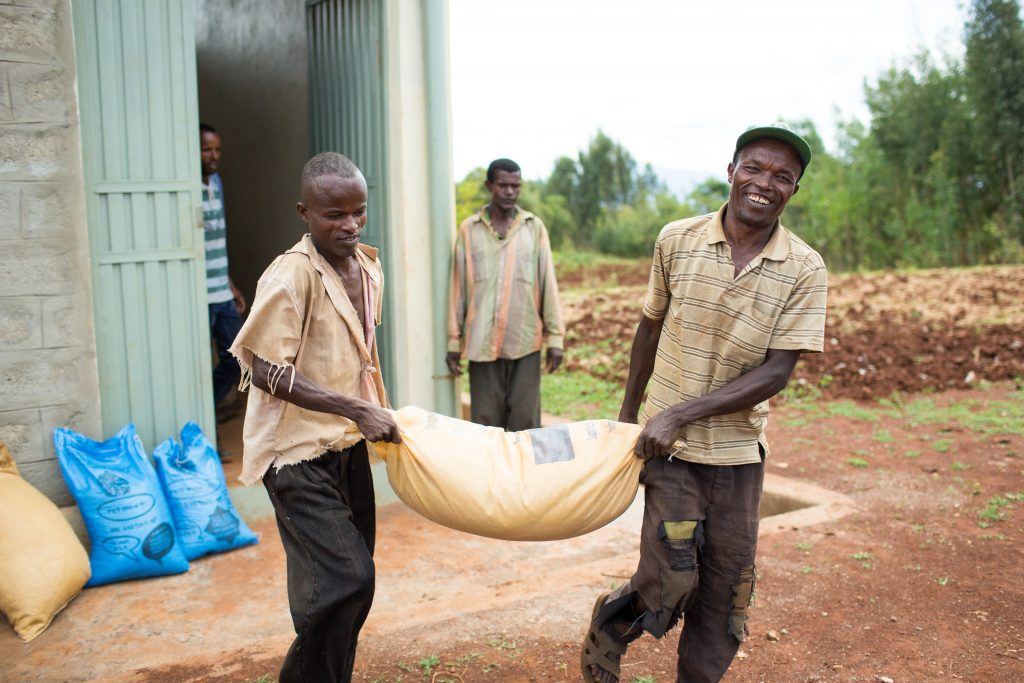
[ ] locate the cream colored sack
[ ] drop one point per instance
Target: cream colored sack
(42, 563)
(536, 485)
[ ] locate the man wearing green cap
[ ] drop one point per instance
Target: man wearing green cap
(734, 298)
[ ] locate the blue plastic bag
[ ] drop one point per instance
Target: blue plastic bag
(197, 494)
(129, 524)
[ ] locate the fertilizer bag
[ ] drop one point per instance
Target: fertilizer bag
(125, 513)
(193, 482)
(535, 485)
(42, 563)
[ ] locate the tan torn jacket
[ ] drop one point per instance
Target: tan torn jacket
(302, 319)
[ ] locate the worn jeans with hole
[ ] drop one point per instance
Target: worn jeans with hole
(327, 519)
(724, 499)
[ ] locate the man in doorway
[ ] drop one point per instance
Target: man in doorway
(309, 349)
(504, 306)
(226, 303)
(734, 299)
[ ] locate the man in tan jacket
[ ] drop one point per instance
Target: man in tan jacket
(308, 349)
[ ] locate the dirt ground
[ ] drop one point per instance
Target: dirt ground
(916, 413)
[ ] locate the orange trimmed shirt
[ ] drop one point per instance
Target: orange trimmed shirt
(302, 319)
(717, 326)
(504, 298)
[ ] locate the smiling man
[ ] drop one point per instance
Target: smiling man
(309, 350)
(734, 298)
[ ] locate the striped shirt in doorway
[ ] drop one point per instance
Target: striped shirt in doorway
(217, 289)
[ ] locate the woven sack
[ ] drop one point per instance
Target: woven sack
(42, 563)
(535, 485)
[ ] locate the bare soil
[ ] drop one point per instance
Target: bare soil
(917, 585)
(886, 332)
(922, 582)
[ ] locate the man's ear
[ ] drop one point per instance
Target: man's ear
(796, 188)
(728, 172)
(303, 210)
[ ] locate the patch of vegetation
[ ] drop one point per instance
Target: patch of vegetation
(427, 664)
(981, 416)
(994, 510)
(803, 545)
(958, 466)
(882, 436)
(866, 559)
(851, 410)
(571, 260)
(579, 396)
(858, 462)
(265, 678)
(942, 445)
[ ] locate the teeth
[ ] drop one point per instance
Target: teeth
(758, 199)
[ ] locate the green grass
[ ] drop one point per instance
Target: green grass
(571, 260)
(579, 396)
(994, 510)
(882, 436)
(857, 462)
(981, 416)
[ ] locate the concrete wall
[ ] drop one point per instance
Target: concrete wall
(253, 88)
(414, 158)
(48, 374)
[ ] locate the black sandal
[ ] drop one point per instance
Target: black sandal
(597, 646)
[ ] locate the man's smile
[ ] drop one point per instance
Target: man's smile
(758, 199)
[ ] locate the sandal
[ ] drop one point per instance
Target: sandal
(597, 646)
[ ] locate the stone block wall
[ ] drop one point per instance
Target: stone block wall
(48, 374)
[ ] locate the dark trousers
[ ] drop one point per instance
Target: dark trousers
(224, 326)
(327, 519)
(506, 392)
(697, 548)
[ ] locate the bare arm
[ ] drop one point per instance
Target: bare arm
(641, 365)
(375, 423)
(745, 391)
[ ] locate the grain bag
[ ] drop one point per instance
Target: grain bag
(535, 485)
(193, 483)
(126, 516)
(42, 563)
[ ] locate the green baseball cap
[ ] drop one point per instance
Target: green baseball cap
(779, 131)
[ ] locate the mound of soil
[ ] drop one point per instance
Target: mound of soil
(906, 332)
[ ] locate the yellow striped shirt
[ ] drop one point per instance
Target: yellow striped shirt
(717, 327)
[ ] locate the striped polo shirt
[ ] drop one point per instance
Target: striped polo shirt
(504, 298)
(717, 327)
(217, 289)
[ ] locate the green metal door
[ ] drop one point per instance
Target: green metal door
(139, 127)
(347, 104)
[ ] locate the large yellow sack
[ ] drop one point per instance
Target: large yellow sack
(535, 485)
(42, 563)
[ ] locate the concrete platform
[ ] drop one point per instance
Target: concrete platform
(427, 575)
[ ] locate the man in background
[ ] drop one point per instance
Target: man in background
(226, 303)
(504, 306)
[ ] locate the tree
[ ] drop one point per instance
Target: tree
(994, 67)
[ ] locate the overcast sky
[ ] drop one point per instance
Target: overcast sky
(674, 81)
